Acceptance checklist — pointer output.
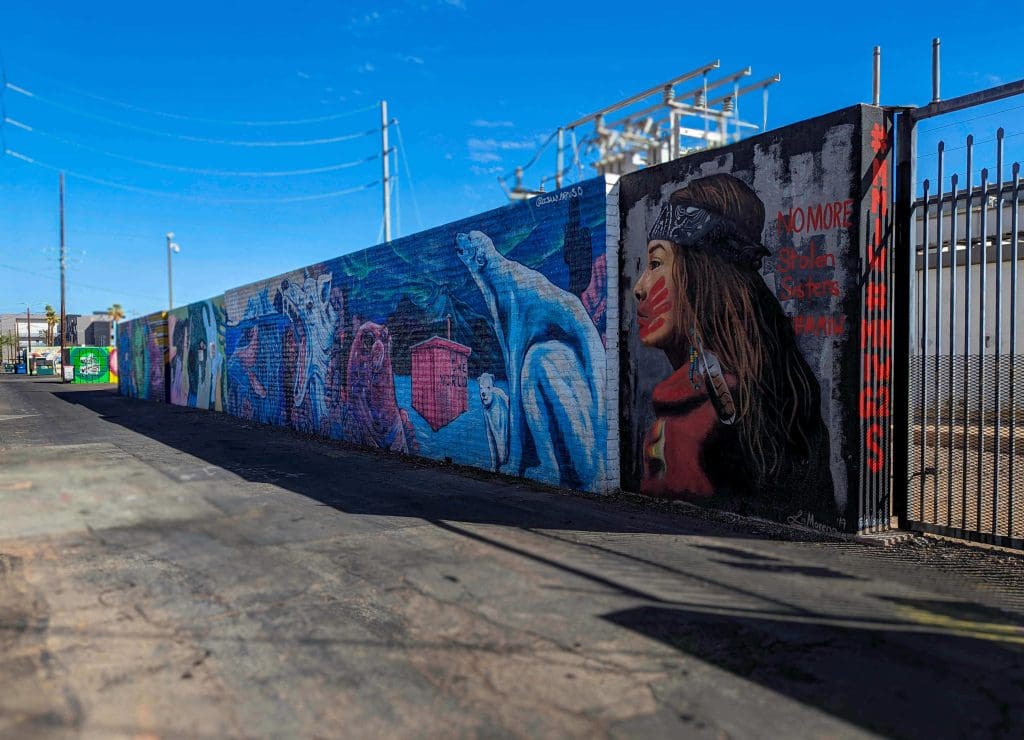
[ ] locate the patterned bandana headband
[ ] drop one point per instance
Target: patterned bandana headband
(692, 225)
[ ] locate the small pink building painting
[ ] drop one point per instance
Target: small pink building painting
(440, 380)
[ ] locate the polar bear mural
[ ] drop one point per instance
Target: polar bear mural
(495, 406)
(555, 364)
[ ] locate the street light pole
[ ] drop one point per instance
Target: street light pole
(171, 248)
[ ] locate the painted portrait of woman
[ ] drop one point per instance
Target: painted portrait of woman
(740, 415)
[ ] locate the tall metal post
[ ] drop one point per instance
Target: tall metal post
(936, 43)
(170, 284)
(876, 87)
(902, 272)
(63, 266)
(385, 180)
(561, 158)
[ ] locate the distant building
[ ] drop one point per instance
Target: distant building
(977, 354)
(93, 329)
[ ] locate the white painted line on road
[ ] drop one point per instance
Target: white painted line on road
(9, 417)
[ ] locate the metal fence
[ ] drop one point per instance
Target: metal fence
(965, 436)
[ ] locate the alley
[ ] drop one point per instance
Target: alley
(172, 572)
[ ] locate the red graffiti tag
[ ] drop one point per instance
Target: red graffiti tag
(875, 325)
(819, 326)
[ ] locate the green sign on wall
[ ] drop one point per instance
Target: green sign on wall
(92, 364)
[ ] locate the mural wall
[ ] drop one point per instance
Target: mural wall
(92, 364)
(741, 301)
(482, 342)
(196, 376)
(142, 357)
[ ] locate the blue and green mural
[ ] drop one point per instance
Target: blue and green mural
(196, 355)
(142, 357)
(482, 341)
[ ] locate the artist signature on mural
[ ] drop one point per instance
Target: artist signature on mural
(806, 519)
(559, 197)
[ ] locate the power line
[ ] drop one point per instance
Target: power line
(186, 137)
(972, 118)
(77, 284)
(408, 174)
(192, 170)
(178, 196)
(219, 121)
(977, 143)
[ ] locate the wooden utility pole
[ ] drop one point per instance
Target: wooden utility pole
(28, 353)
(63, 265)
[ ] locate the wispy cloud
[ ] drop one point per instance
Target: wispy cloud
(477, 170)
(460, 4)
(504, 145)
(410, 58)
(482, 123)
(367, 19)
(303, 75)
(483, 157)
(366, 67)
(491, 151)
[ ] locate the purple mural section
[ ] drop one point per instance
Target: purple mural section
(741, 303)
(142, 357)
(481, 342)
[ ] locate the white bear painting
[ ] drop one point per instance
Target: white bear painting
(555, 364)
(495, 405)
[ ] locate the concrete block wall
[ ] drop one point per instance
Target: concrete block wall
(741, 318)
(142, 357)
(195, 356)
(549, 339)
(481, 342)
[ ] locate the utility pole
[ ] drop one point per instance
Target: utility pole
(560, 162)
(385, 182)
(28, 353)
(63, 265)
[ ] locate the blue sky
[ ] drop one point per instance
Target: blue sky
(475, 86)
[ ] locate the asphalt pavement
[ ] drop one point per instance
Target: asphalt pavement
(167, 572)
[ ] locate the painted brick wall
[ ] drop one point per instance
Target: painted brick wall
(142, 357)
(195, 356)
(504, 314)
(741, 298)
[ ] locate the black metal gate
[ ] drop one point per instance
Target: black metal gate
(958, 426)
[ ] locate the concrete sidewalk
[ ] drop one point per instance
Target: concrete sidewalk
(169, 572)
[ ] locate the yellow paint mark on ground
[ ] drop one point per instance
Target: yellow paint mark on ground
(992, 631)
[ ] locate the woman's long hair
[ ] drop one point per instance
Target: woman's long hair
(728, 309)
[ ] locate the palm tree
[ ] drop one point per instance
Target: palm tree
(116, 314)
(51, 321)
(7, 343)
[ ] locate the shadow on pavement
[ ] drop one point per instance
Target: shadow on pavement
(891, 680)
(368, 482)
(932, 669)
